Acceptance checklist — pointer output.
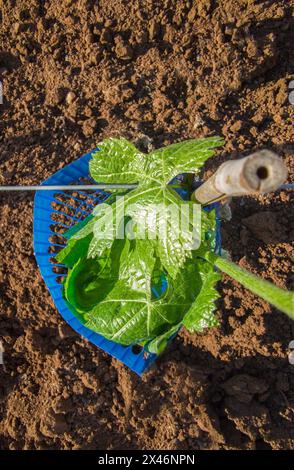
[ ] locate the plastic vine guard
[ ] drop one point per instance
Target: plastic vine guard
(46, 224)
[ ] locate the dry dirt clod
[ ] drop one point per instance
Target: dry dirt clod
(124, 51)
(65, 331)
(153, 29)
(244, 386)
(70, 97)
(106, 36)
(89, 127)
(266, 227)
(53, 424)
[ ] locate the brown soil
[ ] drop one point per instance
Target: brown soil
(155, 72)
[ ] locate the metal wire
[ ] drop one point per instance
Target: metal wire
(74, 187)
